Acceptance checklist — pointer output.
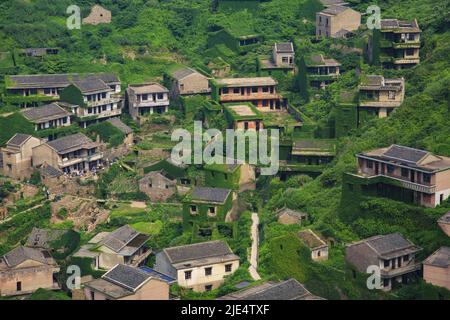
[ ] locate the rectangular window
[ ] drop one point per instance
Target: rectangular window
(390, 168)
(254, 89)
(265, 89)
(145, 97)
(386, 263)
(391, 95)
(212, 211)
(228, 267)
(188, 275)
(225, 90)
(208, 287)
(236, 90)
(47, 91)
(19, 286)
(426, 178)
(369, 164)
(208, 271)
(193, 209)
(405, 172)
(160, 96)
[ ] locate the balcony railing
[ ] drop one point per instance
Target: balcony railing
(379, 104)
(102, 114)
(102, 102)
(85, 158)
(399, 182)
(149, 103)
(401, 270)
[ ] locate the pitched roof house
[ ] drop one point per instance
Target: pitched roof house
(285, 290)
(70, 153)
(17, 155)
(48, 116)
(394, 254)
(186, 81)
(436, 268)
(124, 282)
(200, 266)
(288, 216)
(23, 270)
(417, 174)
(337, 21)
(318, 247)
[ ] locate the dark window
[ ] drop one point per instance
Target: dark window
(228, 267)
(255, 89)
(405, 172)
(225, 90)
(208, 287)
(369, 164)
(385, 282)
(188, 274)
(92, 295)
(160, 96)
(265, 89)
(426, 178)
(246, 125)
(19, 286)
(212, 210)
(386, 263)
(236, 90)
(47, 91)
(208, 271)
(390, 168)
(193, 208)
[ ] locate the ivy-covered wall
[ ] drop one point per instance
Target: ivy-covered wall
(73, 95)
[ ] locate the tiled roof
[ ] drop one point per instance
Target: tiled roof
(128, 277)
(405, 153)
(197, 251)
(284, 47)
(45, 113)
(399, 24)
(41, 238)
(148, 88)
(247, 82)
(69, 142)
(409, 157)
(319, 60)
(182, 73)
(334, 10)
(57, 80)
(388, 243)
(210, 194)
(116, 122)
(91, 85)
(50, 171)
(286, 290)
(22, 254)
(311, 239)
(292, 213)
(440, 258)
(120, 238)
(155, 274)
(18, 139)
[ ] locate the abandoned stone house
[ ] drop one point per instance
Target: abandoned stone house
(23, 270)
(147, 98)
(32, 90)
(289, 289)
(436, 268)
(38, 52)
(379, 95)
(321, 71)
(126, 130)
(186, 81)
(405, 174)
(260, 91)
(125, 282)
(121, 246)
(444, 223)
(236, 176)
(47, 117)
(318, 247)
(288, 216)
(282, 58)
(337, 21)
(157, 186)
(98, 15)
(17, 156)
(395, 45)
(200, 266)
(73, 153)
(243, 116)
(394, 254)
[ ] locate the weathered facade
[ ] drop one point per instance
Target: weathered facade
(126, 283)
(396, 44)
(24, 270)
(380, 95)
(409, 174)
(260, 91)
(336, 21)
(186, 81)
(394, 255)
(321, 71)
(318, 247)
(157, 186)
(201, 266)
(47, 117)
(436, 268)
(243, 116)
(17, 156)
(147, 98)
(74, 153)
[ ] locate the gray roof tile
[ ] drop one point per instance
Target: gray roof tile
(128, 277)
(22, 254)
(440, 258)
(197, 251)
(58, 80)
(210, 194)
(45, 113)
(68, 142)
(18, 139)
(116, 122)
(119, 238)
(405, 153)
(91, 85)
